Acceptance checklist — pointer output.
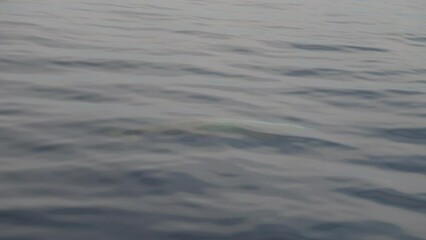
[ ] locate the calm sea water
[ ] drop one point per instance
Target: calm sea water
(100, 104)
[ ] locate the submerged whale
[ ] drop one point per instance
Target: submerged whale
(235, 133)
(210, 126)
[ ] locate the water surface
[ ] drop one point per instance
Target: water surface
(84, 83)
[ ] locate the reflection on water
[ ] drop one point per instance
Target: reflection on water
(212, 120)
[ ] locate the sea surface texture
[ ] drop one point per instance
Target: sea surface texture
(213, 120)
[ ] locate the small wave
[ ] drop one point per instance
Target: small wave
(406, 135)
(389, 197)
(339, 48)
(409, 163)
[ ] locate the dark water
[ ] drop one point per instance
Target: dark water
(83, 85)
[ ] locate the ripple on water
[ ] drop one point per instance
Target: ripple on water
(359, 230)
(405, 163)
(389, 197)
(86, 86)
(406, 135)
(338, 48)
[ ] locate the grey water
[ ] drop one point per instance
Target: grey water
(84, 83)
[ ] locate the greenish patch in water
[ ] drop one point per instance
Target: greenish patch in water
(212, 126)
